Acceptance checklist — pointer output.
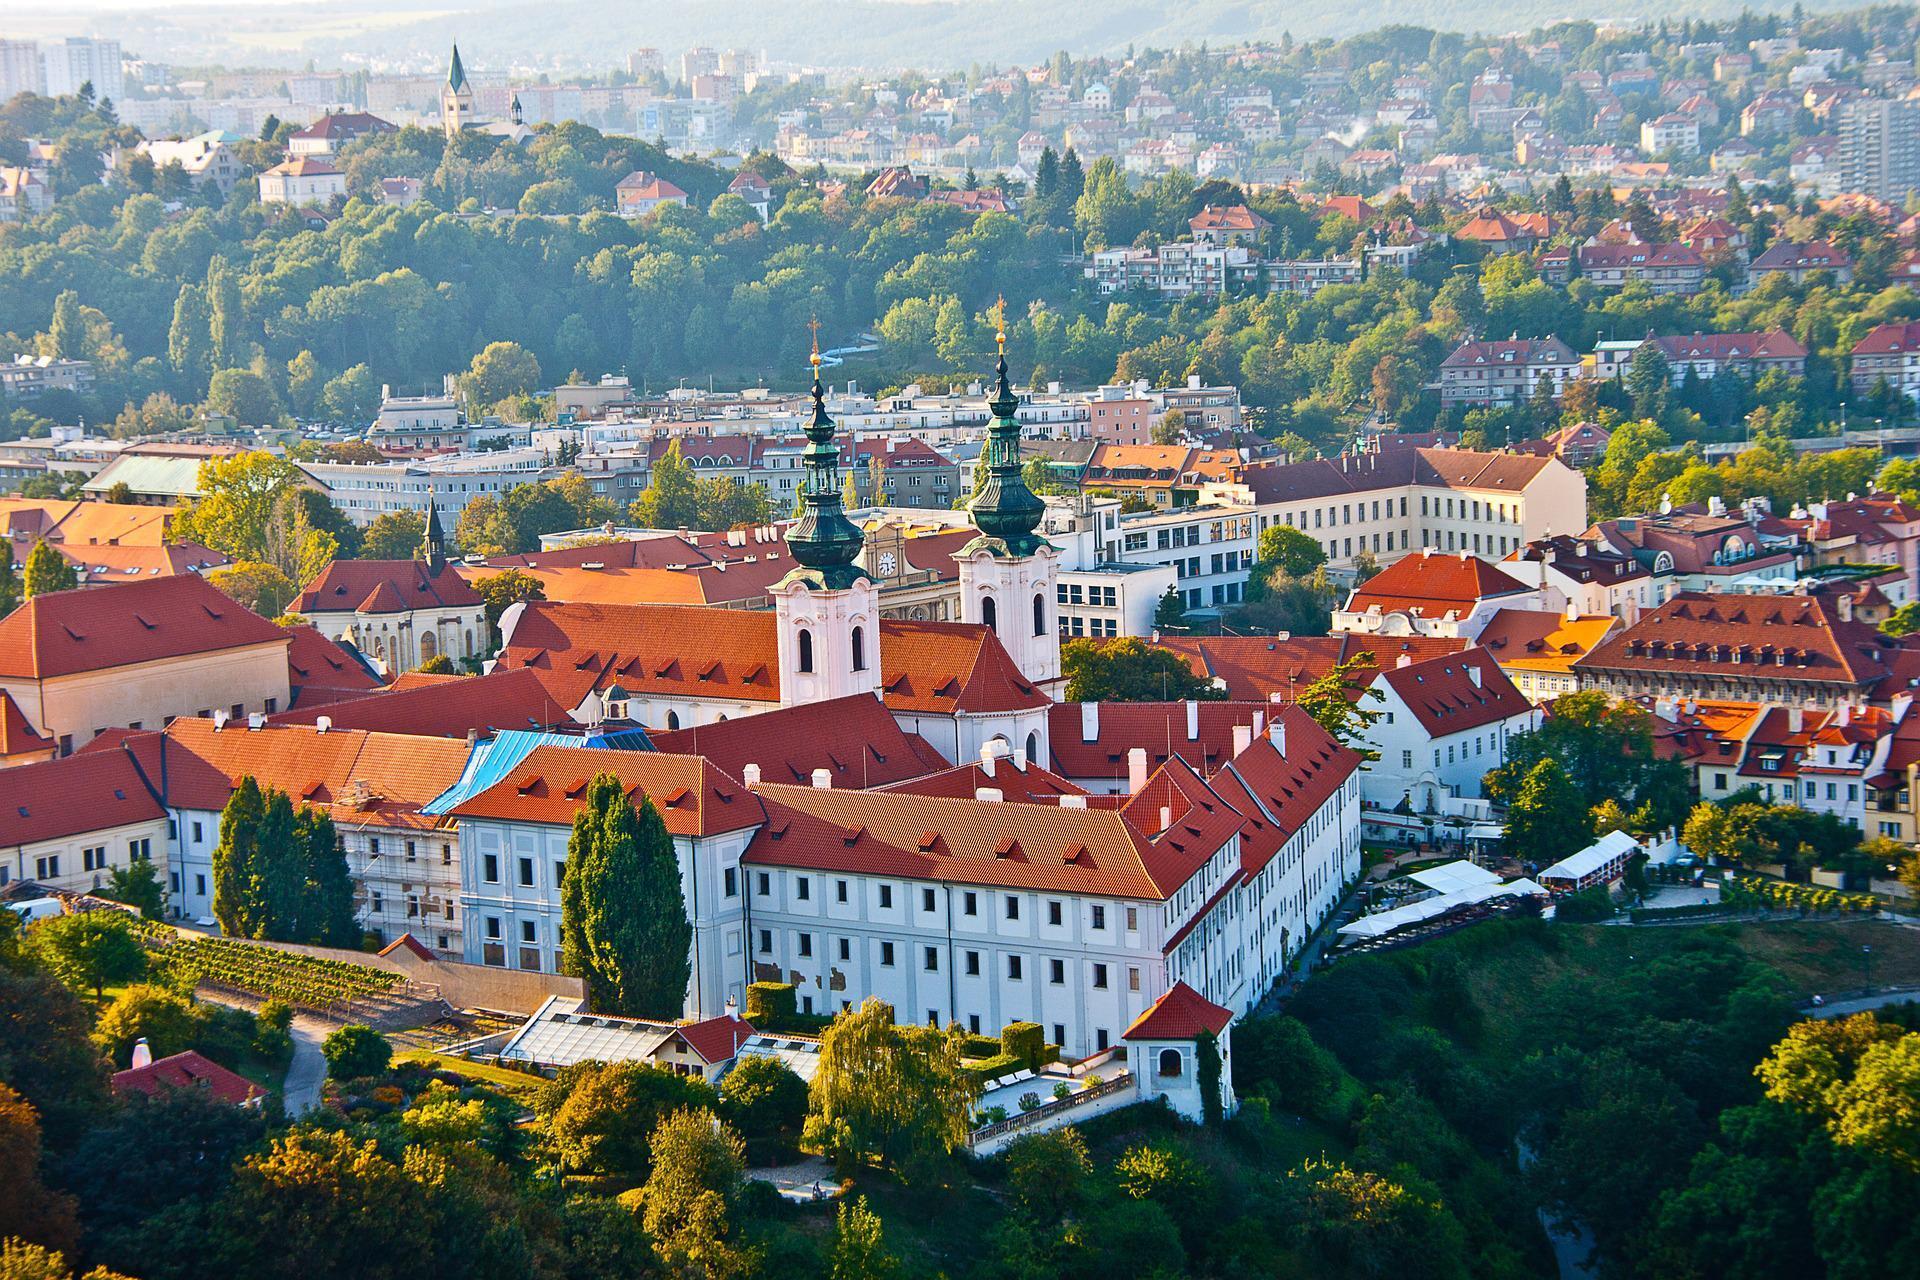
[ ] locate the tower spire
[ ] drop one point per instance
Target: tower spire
(433, 544)
(1005, 511)
(823, 541)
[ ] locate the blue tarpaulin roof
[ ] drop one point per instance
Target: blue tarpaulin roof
(492, 760)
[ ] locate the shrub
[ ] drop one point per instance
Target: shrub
(767, 1001)
(1047, 1172)
(1062, 1091)
(980, 1047)
(1029, 1101)
(1025, 1041)
(765, 1102)
(356, 1051)
(993, 1068)
(1584, 907)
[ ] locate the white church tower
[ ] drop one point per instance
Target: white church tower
(1008, 573)
(828, 609)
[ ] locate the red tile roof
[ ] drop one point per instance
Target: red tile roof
(96, 629)
(1256, 668)
(1773, 637)
(1443, 697)
(1816, 255)
(1433, 584)
(1181, 1014)
(188, 1070)
(383, 586)
(318, 664)
(856, 739)
(716, 1039)
(1392, 469)
(1029, 785)
(936, 668)
(1775, 344)
(448, 709)
(550, 785)
(1028, 846)
(55, 799)
(1279, 792)
(17, 735)
(1159, 728)
(1226, 217)
(1890, 339)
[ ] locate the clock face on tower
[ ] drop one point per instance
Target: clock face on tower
(887, 564)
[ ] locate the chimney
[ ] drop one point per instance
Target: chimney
(823, 779)
(1259, 722)
(1277, 732)
(1089, 722)
(1473, 674)
(256, 720)
(1166, 817)
(1846, 714)
(1242, 738)
(142, 1053)
(733, 1008)
(1020, 759)
(1193, 721)
(1844, 603)
(1796, 720)
(1073, 802)
(987, 754)
(1404, 660)
(1901, 704)
(322, 723)
(219, 721)
(750, 774)
(1136, 769)
(988, 795)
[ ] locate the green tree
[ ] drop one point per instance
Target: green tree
(698, 1165)
(1544, 820)
(765, 1102)
(145, 1011)
(1048, 1172)
(189, 339)
(91, 949)
(893, 1096)
(225, 318)
(623, 920)
(1336, 700)
(1290, 551)
(309, 1204)
(30, 1211)
(326, 914)
(69, 329)
(1129, 670)
(48, 571)
(244, 396)
(238, 899)
(500, 370)
(239, 496)
(858, 1249)
(305, 383)
(10, 587)
(138, 885)
(353, 396)
(1171, 613)
(394, 535)
(1859, 1077)
(355, 1051)
(606, 1114)
(255, 585)
(670, 499)
(1649, 378)
(44, 1050)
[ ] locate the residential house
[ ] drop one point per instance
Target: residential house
(1797, 262)
(1890, 354)
(642, 191)
(72, 823)
(1538, 647)
(303, 180)
(1509, 371)
(1433, 595)
(1444, 722)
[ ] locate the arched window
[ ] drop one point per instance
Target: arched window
(1039, 614)
(989, 614)
(1171, 1063)
(806, 649)
(859, 648)
(470, 650)
(1033, 747)
(429, 645)
(673, 719)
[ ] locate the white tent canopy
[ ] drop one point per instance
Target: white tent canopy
(1382, 923)
(1451, 877)
(1574, 866)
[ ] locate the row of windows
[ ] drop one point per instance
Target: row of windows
(930, 900)
(1099, 974)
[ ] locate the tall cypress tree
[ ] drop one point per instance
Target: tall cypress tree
(327, 914)
(623, 918)
(279, 872)
(235, 862)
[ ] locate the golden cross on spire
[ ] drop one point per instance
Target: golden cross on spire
(814, 325)
(1000, 323)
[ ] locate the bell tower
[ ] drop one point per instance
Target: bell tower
(456, 98)
(827, 609)
(1007, 574)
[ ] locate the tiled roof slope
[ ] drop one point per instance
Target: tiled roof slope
(855, 739)
(1181, 1014)
(1392, 469)
(96, 629)
(1434, 584)
(452, 709)
(54, 799)
(1442, 695)
(1779, 637)
(550, 785)
(383, 586)
(1256, 668)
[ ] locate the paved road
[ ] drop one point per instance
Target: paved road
(1860, 1004)
(308, 1070)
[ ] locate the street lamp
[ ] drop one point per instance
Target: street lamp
(1866, 967)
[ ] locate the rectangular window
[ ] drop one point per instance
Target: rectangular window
(490, 868)
(1059, 1033)
(1100, 977)
(927, 900)
(970, 904)
(1053, 913)
(803, 889)
(730, 882)
(973, 964)
(886, 954)
(1099, 916)
(766, 942)
(1013, 907)
(766, 883)
(93, 859)
(413, 853)
(526, 873)
(1013, 968)
(1133, 919)
(1057, 972)
(886, 897)
(846, 949)
(933, 960)
(1133, 981)
(806, 944)
(839, 890)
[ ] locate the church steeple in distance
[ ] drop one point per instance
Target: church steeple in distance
(433, 545)
(823, 541)
(1005, 511)
(456, 73)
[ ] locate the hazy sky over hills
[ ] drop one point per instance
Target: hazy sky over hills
(568, 34)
